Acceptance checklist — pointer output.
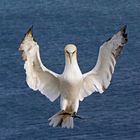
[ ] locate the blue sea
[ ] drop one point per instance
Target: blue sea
(114, 115)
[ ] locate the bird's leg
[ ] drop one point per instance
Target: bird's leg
(76, 116)
(63, 112)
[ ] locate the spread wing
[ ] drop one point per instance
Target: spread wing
(99, 78)
(38, 77)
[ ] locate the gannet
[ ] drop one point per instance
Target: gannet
(72, 86)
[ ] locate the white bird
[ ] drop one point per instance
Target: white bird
(72, 86)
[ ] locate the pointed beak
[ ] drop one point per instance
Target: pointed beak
(70, 57)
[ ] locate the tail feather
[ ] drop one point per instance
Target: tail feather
(65, 120)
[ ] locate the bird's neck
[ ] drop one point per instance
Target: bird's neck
(72, 70)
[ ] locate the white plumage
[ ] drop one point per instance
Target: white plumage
(72, 86)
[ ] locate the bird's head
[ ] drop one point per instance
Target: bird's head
(70, 53)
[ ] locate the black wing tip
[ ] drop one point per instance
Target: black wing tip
(124, 34)
(123, 28)
(29, 31)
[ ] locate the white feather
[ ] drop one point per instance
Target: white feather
(71, 85)
(38, 77)
(99, 78)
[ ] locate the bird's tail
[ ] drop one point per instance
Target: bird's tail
(62, 119)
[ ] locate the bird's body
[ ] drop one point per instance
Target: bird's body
(70, 80)
(72, 86)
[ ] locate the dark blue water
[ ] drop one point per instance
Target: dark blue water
(114, 115)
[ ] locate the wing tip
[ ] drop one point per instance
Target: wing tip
(29, 31)
(123, 28)
(29, 34)
(124, 34)
(123, 31)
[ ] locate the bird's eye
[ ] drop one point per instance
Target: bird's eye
(73, 52)
(67, 52)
